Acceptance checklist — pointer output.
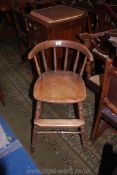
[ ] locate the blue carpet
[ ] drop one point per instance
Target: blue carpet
(14, 160)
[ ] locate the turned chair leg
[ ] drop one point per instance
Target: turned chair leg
(35, 127)
(34, 138)
(82, 134)
(83, 137)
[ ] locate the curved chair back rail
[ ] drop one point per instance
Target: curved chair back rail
(66, 47)
(60, 43)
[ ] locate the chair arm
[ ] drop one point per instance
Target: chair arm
(96, 66)
(97, 34)
(90, 40)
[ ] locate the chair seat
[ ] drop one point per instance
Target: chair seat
(60, 87)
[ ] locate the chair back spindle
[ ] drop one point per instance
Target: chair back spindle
(76, 62)
(37, 65)
(55, 59)
(66, 59)
(44, 60)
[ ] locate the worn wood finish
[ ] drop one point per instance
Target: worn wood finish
(95, 71)
(49, 23)
(108, 103)
(59, 122)
(60, 86)
(106, 18)
(94, 42)
(98, 40)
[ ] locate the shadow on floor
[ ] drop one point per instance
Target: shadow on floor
(108, 160)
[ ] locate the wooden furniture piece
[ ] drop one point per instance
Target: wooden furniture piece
(103, 45)
(101, 49)
(108, 103)
(20, 13)
(21, 30)
(57, 22)
(106, 19)
(6, 28)
(59, 86)
(90, 13)
(113, 39)
(97, 43)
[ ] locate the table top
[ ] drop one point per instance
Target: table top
(57, 14)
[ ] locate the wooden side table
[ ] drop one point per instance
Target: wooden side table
(56, 22)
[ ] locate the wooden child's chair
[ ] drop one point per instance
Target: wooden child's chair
(59, 84)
